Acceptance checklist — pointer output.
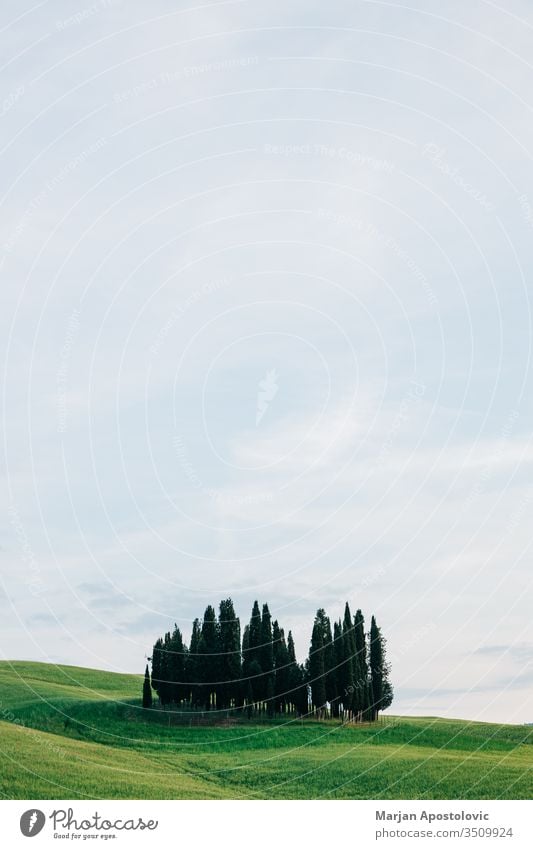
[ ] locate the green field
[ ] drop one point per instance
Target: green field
(68, 732)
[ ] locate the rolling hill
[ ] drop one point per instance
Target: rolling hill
(68, 732)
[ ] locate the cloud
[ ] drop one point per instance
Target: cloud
(519, 652)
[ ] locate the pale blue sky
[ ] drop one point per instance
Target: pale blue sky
(324, 212)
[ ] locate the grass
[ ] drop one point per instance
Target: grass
(68, 732)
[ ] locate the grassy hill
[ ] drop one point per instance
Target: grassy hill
(68, 732)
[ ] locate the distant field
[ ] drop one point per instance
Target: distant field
(68, 732)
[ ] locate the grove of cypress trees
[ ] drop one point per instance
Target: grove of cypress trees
(346, 670)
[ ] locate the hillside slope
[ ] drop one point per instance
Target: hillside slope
(69, 732)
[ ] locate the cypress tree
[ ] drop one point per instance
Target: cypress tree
(362, 689)
(338, 669)
(357, 676)
(246, 640)
(302, 704)
(245, 667)
(348, 663)
(266, 655)
(379, 671)
(254, 643)
(209, 651)
(193, 666)
(281, 668)
(176, 667)
(249, 700)
(294, 676)
(270, 696)
(328, 659)
(156, 665)
(230, 658)
(254, 684)
(165, 682)
(251, 653)
(147, 689)
(388, 692)
(330, 670)
(368, 712)
(251, 640)
(376, 665)
(291, 647)
(276, 650)
(317, 671)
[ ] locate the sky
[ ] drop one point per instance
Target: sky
(266, 331)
